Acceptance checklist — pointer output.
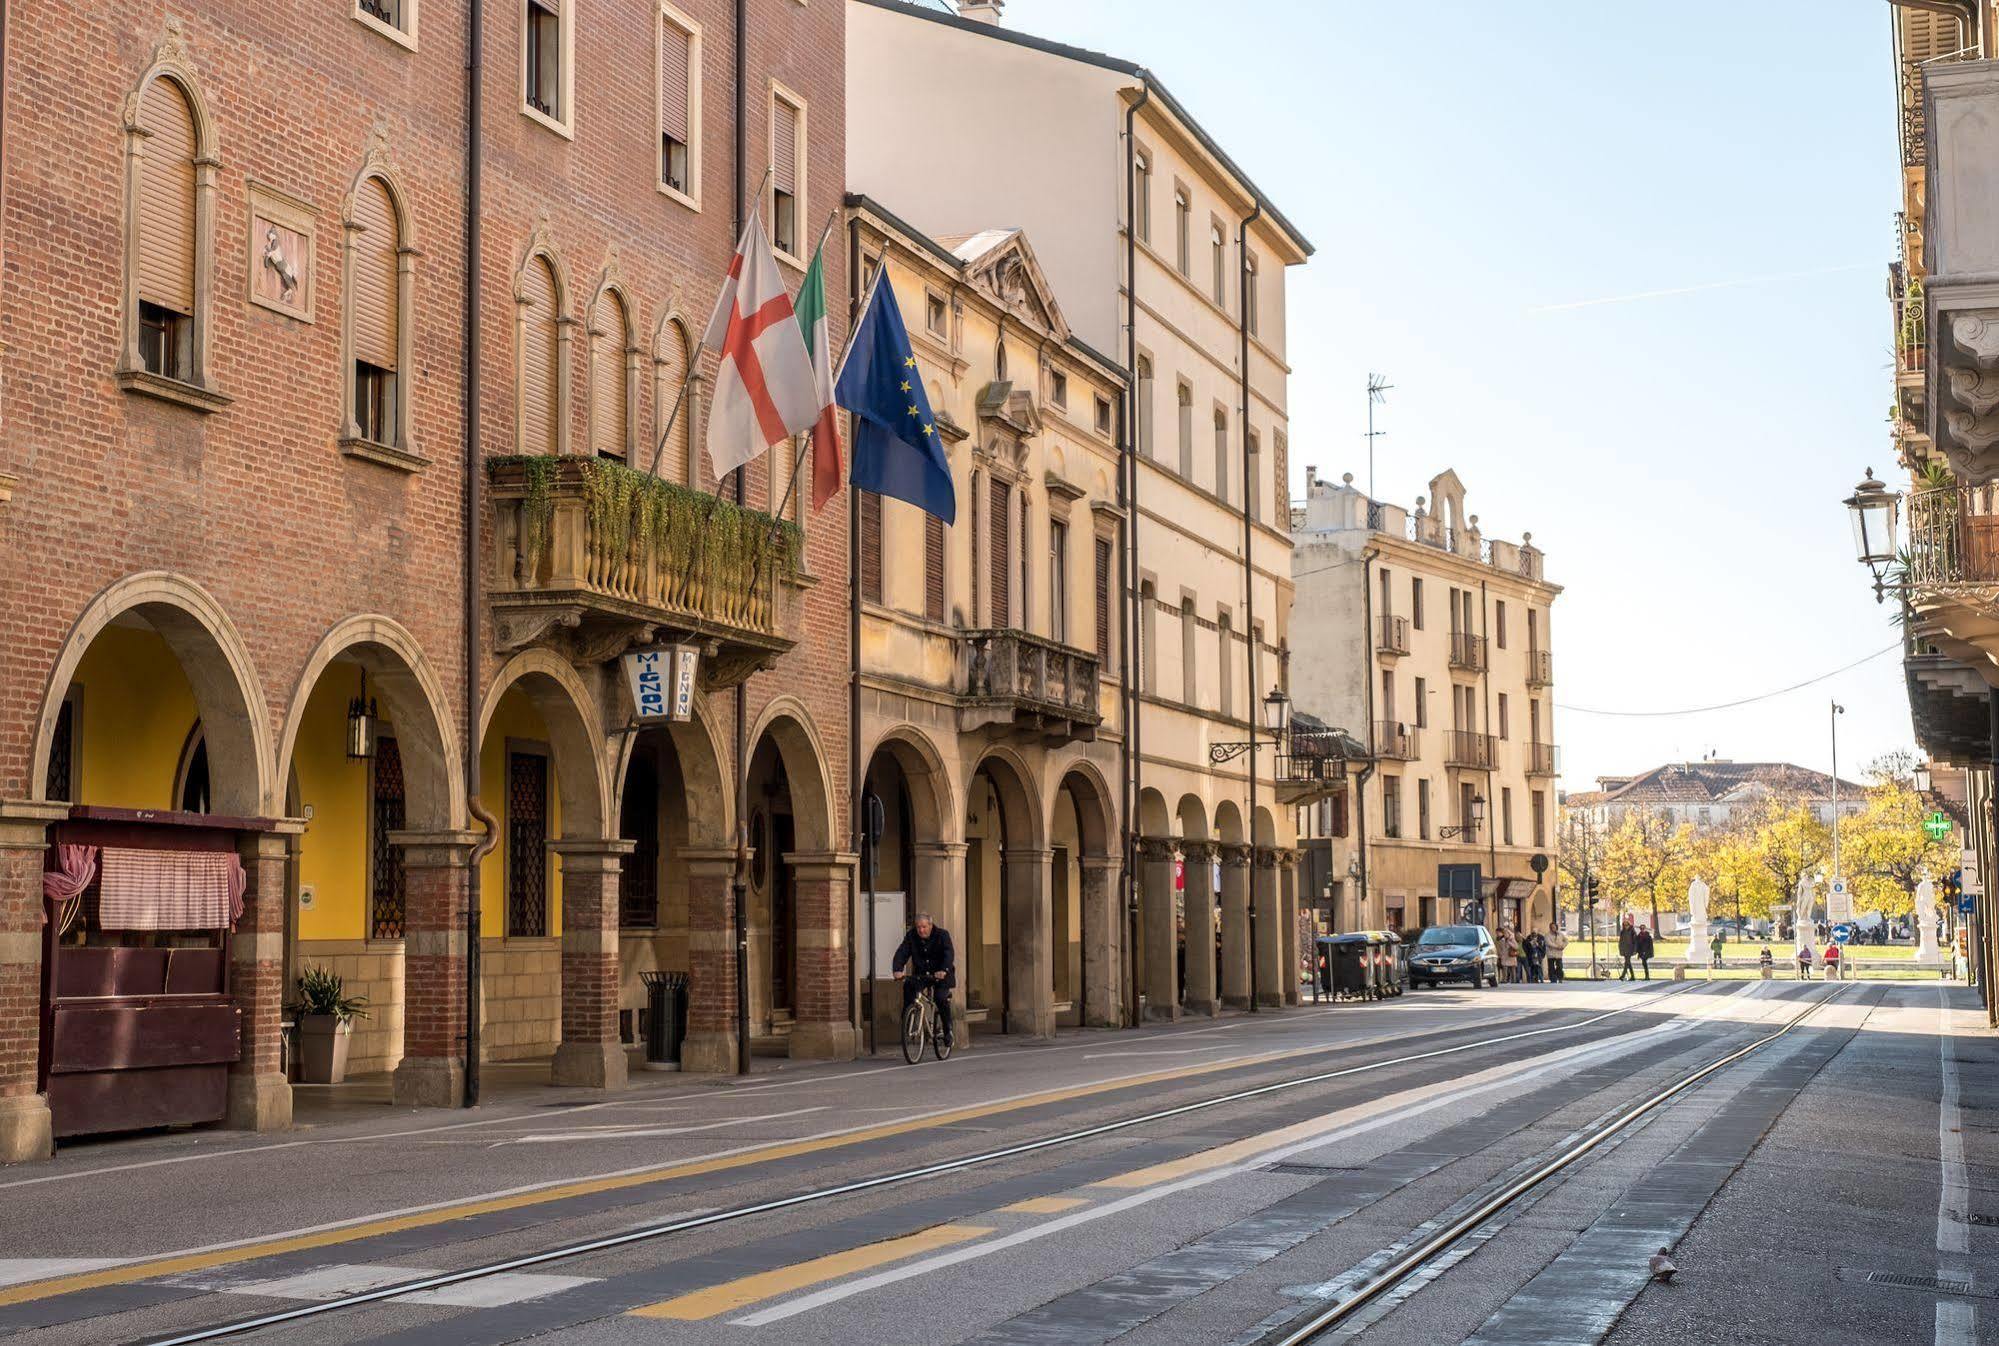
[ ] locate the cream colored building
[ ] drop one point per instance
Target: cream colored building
(1431, 643)
(993, 735)
(1190, 298)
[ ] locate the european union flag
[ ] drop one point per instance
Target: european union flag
(898, 450)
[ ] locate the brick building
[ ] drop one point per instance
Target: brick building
(233, 485)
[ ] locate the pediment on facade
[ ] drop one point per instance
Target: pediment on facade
(1002, 263)
(1012, 409)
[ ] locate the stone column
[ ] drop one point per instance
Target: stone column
(1235, 926)
(1287, 890)
(260, 1099)
(1267, 929)
(26, 1129)
(1203, 996)
(1103, 943)
(711, 961)
(438, 868)
(1029, 951)
(940, 890)
(1157, 928)
(822, 914)
(590, 1055)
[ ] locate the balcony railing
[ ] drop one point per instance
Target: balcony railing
(1468, 651)
(1540, 669)
(1464, 748)
(1914, 154)
(1392, 637)
(597, 557)
(1035, 684)
(1394, 741)
(1541, 759)
(1953, 538)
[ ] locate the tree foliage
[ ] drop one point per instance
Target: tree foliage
(1645, 863)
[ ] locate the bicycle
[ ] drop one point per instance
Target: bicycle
(922, 1025)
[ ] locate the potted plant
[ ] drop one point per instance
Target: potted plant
(326, 1015)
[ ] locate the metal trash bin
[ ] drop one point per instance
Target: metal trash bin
(666, 1018)
(1391, 959)
(1347, 966)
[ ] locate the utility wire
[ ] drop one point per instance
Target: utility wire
(1730, 705)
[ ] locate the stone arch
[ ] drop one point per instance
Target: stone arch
(426, 733)
(1265, 832)
(1022, 813)
(575, 735)
(1192, 815)
(710, 799)
(1153, 819)
(799, 747)
(1228, 823)
(218, 668)
(933, 801)
(1096, 807)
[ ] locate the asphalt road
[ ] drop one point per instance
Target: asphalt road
(1856, 1147)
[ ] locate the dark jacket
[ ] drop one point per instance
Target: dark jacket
(1645, 944)
(926, 956)
(1627, 941)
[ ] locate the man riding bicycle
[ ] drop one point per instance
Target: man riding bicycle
(925, 958)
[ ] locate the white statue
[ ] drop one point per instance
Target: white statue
(1801, 914)
(1697, 950)
(1926, 921)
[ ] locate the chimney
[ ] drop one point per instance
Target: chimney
(981, 11)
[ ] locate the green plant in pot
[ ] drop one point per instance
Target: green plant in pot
(326, 1015)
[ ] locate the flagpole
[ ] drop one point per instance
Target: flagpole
(860, 315)
(856, 765)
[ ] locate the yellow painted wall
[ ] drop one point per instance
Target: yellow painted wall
(333, 852)
(137, 710)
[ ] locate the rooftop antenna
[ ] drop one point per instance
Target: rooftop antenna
(1377, 385)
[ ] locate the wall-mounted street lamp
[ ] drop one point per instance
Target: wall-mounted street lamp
(1469, 828)
(1276, 716)
(1872, 507)
(361, 721)
(1921, 778)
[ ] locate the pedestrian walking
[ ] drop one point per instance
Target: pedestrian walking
(1805, 961)
(1537, 954)
(1509, 954)
(1627, 946)
(1557, 941)
(1645, 946)
(1714, 946)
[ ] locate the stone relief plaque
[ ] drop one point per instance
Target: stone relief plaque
(281, 252)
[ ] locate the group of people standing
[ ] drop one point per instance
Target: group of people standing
(1532, 957)
(1634, 941)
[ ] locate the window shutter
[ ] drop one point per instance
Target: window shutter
(1000, 559)
(538, 361)
(784, 146)
(1103, 600)
(933, 567)
(607, 379)
(674, 52)
(672, 371)
(166, 200)
(374, 299)
(871, 546)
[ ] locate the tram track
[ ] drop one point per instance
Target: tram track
(1407, 1266)
(323, 1309)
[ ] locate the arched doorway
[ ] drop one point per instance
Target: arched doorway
(1007, 966)
(913, 865)
(371, 762)
(1088, 910)
(799, 897)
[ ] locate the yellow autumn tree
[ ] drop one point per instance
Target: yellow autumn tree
(1886, 853)
(1645, 863)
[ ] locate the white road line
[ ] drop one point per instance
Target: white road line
(596, 1133)
(19, 1270)
(1956, 1320)
(1427, 1098)
(1168, 1051)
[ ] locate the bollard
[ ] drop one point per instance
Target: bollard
(1679, 972)
(1768, 973)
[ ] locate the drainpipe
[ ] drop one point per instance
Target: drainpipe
(1127, 489)
(1249, 582)
(739, 884)
(475, 482)
(1485, 699)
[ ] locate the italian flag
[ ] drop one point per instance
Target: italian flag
(826, 470)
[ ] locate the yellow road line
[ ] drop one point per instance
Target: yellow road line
(736, 1294)
(1046, 1205)
(174, 1264)
(1223, 1155)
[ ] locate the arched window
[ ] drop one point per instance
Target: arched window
(1142, 393)
(540, 352)
(610, 376)
(170, 168)
(1190, 687)
(377, 273)
(1227, 664)
(1221, 453)
(670, 385)
(1185, 399)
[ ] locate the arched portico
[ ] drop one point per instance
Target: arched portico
(1199, 950)
(1159, 954)
(920, 853)
(1007, 962)
(1233, 898)
(1091, 924)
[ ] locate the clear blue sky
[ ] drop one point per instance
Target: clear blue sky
(1681, 458)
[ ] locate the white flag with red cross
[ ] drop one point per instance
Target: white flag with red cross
(764, 389)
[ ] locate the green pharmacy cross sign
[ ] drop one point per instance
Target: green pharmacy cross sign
(1936, 827)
